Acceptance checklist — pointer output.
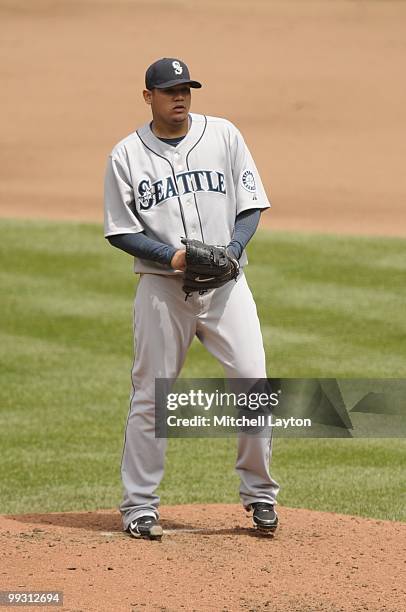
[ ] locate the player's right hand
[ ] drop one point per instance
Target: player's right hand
(178, 261)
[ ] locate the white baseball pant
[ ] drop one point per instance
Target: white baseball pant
(225, 320)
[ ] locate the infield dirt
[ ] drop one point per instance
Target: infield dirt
(210, 558)
(316, 87)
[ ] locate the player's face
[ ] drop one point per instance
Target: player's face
(172, 105)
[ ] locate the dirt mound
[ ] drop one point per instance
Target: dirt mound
(209, 559)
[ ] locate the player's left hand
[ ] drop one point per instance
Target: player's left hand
(207, 266)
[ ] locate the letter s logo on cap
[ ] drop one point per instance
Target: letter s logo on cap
(177, 67)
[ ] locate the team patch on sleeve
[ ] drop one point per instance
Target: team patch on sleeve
(248, 181)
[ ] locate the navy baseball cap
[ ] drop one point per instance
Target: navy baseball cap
(168, 72)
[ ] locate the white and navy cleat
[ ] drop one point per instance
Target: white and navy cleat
(264, 517)
(145, 527)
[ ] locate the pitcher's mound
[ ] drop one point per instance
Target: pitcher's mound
(210, 559)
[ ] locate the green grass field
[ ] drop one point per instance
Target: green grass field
(329, 306)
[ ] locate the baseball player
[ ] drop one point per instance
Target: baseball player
(182, 178)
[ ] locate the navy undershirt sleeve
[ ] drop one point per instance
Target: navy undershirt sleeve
(141, 246)
(246, 224)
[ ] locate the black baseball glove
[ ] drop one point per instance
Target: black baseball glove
(207, 266)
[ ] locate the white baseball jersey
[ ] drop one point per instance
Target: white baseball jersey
(193, 190)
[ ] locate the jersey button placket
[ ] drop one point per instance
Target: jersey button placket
(178, 162)
(186, 202)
